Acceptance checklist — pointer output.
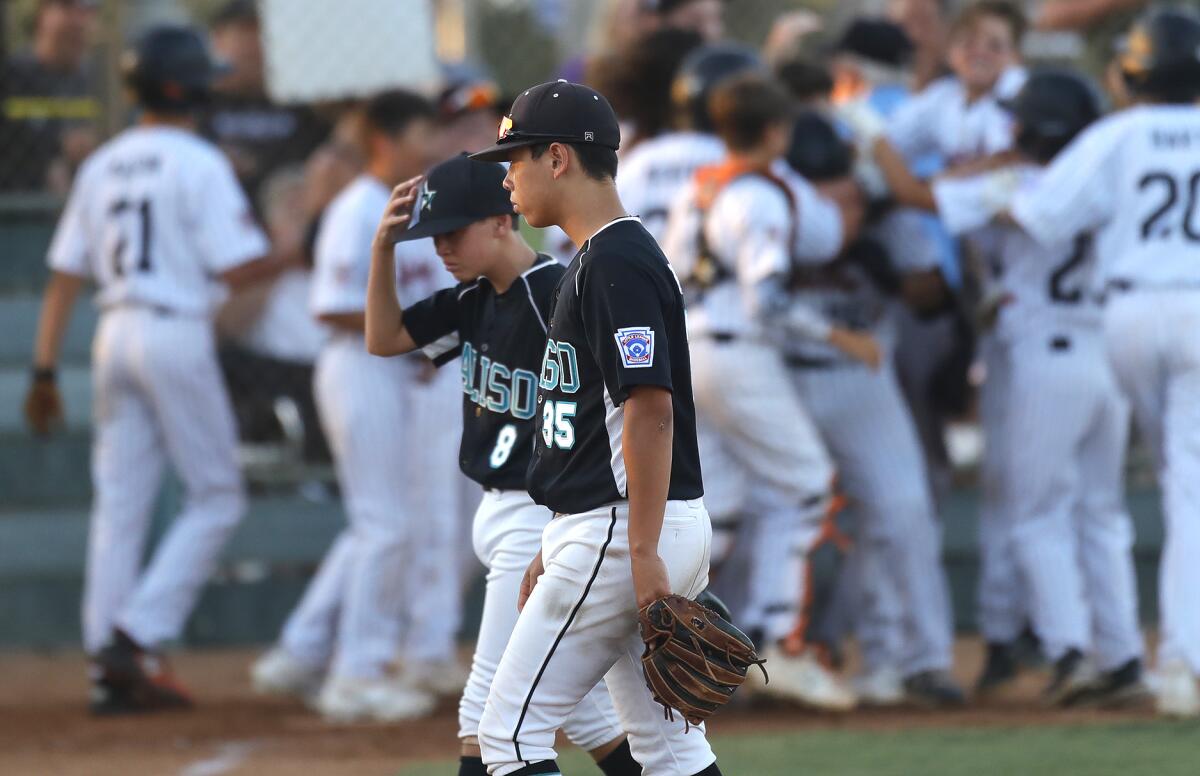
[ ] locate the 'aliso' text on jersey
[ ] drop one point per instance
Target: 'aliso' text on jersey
(617, 322)
(501, 338)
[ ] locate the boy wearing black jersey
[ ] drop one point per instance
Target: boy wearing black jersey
(616, 459)
(496, 319)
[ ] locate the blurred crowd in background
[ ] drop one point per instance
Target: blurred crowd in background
(59, 103)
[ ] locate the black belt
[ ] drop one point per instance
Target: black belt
(720, 337)
(1060, 343)
(811, 362)
(157, 309)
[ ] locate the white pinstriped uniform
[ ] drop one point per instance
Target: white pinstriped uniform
(1133, 178)
(154, 216)
(372, 410)
(759, 450)
(940, 120)
(894, 572)
(1057, 396)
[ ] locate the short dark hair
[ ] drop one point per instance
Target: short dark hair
(806, 79)
(1008, 12)
(391, 112)
(639, 77)
(745, 105)
(598, 163)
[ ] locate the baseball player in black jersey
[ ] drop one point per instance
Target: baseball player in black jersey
(616, 457)
(496, 320)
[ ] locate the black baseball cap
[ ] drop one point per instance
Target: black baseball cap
(555, 112)
(457, 193)
(876, 40)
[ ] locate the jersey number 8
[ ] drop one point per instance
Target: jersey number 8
(504, 446)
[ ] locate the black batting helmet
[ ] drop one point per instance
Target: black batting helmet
(700, 71)
(816, 150)
(1051, 109)
(1160, 58)
(171, 69)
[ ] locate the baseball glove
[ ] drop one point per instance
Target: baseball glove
(43, 407)
(694, 659)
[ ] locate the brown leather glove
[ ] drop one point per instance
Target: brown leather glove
(694, 659)
(43, 406)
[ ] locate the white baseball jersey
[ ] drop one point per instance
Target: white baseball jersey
(756, 231)
(155, 215)
(1046, 288)
(654, 171)
(1134, 179)
(940, 120)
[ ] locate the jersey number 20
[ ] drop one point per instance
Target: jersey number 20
(133, 221)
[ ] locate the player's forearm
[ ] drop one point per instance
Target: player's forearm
(647, 436)
(57, 304)
(1077, 14)
(906, 188)
(258, 270)
(386, 335)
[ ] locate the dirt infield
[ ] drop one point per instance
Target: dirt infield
(45, 730)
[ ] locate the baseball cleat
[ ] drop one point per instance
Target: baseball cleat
(279, 673)
(443, 678)
(1178, 695)
(804, 679)
(882, 687)
(128, 679)
(934, 690)
(1000, 670)
(347, 699)
(1122, 687)
(1073, 679)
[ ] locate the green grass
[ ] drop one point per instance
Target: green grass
(1158, 748)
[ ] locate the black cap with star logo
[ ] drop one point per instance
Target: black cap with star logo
(558, 111)
(457, 193)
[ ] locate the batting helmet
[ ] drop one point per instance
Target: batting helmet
(171, 69)
(1051, 109)
(1160, 58)
(817, 151)
(700, 71)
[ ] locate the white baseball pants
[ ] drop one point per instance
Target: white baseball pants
(581, 626)
(864, 420)
(754, 423)
(507, 534)
(1154, 348)
(1068, 428)
(353, 610)
(1002, 603)
(433, 490)
(159, 396)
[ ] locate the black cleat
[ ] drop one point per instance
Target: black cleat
(1122, 687)
(1027, 649)
(127, 679)
(1072, 680)
(934, 690)
(999, 671)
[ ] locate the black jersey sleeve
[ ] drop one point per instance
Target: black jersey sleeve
(623, 304)
(434, 323)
